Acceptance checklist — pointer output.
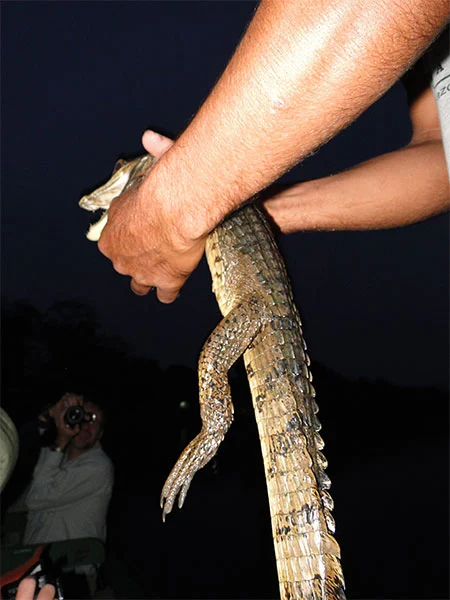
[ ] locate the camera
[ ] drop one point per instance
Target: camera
(74, 415)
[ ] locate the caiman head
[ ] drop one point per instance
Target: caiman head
(125, 174)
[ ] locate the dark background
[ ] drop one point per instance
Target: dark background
(81, 82)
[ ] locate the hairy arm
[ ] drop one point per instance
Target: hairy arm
(302, 72)
(399, 188)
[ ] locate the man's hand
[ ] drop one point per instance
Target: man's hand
(64, 433)
(144, 234)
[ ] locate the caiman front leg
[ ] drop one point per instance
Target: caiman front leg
(224, 346)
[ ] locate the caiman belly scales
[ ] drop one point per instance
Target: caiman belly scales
(261, 322)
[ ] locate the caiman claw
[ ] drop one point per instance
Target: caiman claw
(194, 457)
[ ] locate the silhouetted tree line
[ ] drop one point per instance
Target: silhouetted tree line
(370, 429)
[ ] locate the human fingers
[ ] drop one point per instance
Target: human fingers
(164, 295)
(26, 588)
(155, 143)
(167, 295)
(140, 289)
(73, 430)
(47, 593)
(73, 399)
(66, 400)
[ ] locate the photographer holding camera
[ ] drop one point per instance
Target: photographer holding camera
(72, 481)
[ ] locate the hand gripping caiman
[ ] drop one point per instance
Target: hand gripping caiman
(260, 322)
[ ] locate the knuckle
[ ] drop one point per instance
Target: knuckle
(120, 268)
(142, 279)
(102, 246)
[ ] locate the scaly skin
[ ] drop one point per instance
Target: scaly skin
(261, 322)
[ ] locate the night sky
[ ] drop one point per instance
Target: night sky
(81, 82)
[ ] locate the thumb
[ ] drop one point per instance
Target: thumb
(155, 143)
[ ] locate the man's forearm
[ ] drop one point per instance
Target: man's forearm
(303, 71)
(395, 189)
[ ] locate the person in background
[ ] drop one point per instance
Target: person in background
(302, 72)
(72, 481)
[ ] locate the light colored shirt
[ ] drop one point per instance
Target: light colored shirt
(68, 499)
(440, 84)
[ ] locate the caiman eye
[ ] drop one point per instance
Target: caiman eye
(119, 164)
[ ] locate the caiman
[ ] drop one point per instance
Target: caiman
(261, 322)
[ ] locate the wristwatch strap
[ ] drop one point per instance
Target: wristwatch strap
(55, 448)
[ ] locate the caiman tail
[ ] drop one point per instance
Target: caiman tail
(307, 555)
